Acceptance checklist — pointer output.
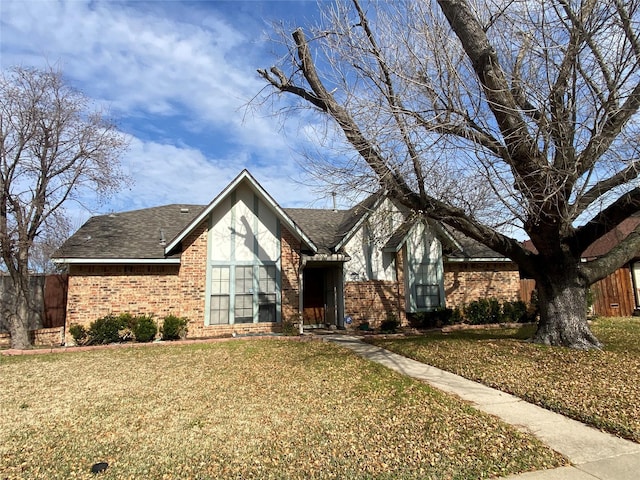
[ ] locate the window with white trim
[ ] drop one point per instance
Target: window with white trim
(427, 286)
(267, 293)
(219, 311)
(244, 291)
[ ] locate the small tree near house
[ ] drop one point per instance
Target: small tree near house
(52, 145)
(487, 116)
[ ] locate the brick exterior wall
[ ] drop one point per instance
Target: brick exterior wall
(98, 290)
(466, 282)
(43, 337)
(290, 263)
(373, 301)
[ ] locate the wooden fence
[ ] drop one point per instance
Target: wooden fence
(613, 296)
(55, 301)
(50, 297)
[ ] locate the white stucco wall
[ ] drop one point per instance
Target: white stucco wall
(253, 224)
(368, 261)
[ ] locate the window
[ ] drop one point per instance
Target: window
(253, 290)
(219, 311)
(267, 294)
(244, 295)
(427, 287)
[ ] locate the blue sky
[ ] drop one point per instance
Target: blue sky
(176, 76)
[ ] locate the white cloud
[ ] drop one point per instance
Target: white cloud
(164, 174)
(184, 71)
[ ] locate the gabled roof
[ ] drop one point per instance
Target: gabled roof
(400, 236)
(247, 178)
(322, 226)
(154, 235)
(128, 237)
(355, 217)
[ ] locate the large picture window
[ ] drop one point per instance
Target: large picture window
(253, 289)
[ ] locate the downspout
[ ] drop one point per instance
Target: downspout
(634, 285)
(303, 263)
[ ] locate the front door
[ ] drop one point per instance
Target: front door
(314, 304)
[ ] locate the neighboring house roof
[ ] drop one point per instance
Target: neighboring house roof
(612, 238)
(605, 243)
(128, 236)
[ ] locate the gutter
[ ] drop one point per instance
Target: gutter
(326, 257)
(115, 261)
(479, 260)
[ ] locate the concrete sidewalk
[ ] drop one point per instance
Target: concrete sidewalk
(592, 453)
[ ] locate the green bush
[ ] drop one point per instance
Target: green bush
(364, 326)
(390, 325)
(144, 328)
(107, 329)
(433, 319)
(456, 316)
(416, 320)
(78, 332)
(173, 328)
(290, 328)
(515, 312)
(483, 311)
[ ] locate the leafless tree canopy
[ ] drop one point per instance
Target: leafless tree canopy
(52, 146)
(486, 114)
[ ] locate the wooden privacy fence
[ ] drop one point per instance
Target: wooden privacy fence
(49, 295)
(613, 296)
(55, 300)
(527, 286)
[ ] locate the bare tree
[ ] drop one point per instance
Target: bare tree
(53, 145)
(488, 114)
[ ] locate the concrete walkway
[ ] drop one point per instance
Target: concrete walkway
(592, 453)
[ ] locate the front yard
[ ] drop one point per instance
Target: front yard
(243, 409)
(601, 388)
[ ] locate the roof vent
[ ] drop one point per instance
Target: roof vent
(184, 210)
(163, 240)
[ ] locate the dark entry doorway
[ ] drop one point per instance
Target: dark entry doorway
(314, 302)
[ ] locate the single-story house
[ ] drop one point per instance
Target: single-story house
(243, 264)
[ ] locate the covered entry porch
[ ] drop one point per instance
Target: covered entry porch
(322, 298)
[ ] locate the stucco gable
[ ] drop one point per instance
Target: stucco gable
(243, 178)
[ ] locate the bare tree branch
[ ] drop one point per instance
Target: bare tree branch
(51, 145)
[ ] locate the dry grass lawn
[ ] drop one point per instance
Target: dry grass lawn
(242, 409)
(601, 388)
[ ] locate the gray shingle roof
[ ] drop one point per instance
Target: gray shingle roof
(129, 235)
(322, 226)
(470, 248)
(139, 234)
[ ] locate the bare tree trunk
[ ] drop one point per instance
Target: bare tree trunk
(563, 313)
(19, 322)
